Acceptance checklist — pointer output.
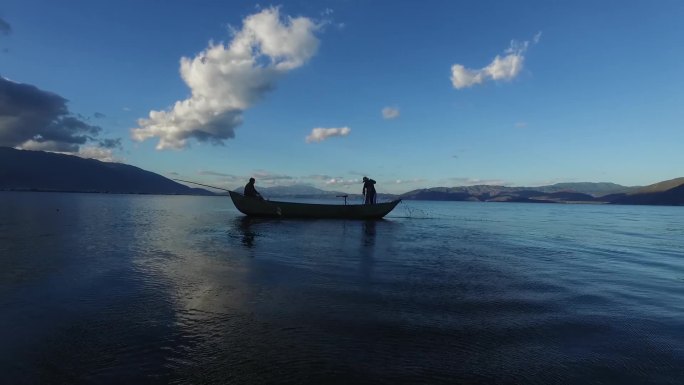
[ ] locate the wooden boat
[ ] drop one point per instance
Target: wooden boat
(265, 208)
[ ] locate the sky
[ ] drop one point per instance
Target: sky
(411, 94)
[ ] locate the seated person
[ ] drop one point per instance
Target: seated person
(250, 191)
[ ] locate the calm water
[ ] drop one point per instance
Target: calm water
(172, 289)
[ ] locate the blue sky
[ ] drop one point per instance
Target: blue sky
(490, 92)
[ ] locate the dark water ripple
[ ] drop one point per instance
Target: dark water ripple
(148, 289)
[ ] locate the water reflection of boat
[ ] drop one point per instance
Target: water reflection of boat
(244, 224)
(261, 208)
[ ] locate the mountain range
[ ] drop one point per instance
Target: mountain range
(23, 170)
(669, 192)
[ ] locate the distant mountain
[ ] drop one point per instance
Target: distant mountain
(669, 192)
(663, 193)
(44, 171)
(300, 190)
(594, 189)
(486, 193)
(666, 193)
(440, 194)
(25, 170)
(660, 186)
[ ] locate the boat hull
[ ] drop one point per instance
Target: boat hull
(264, 208)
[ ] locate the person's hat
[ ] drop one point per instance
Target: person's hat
(251, 179)
(365, 178)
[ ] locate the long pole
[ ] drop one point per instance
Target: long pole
(200, 184)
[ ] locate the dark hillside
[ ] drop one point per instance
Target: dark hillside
(44, 171)
(655, 195)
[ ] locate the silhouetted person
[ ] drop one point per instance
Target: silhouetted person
(369, 190)
(250, 190)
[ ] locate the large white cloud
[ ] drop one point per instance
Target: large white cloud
(225, 80)
(320, 134)
(501, 68)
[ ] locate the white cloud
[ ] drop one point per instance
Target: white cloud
(39, 144)
(225, 80)
(321, 134)
(475, 182)
(501, 68)
(88, 152)
(407, 181)
(99, 153)
(342, 182)
(390, 112)
(537, 37)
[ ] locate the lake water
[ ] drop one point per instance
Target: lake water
(127, 289)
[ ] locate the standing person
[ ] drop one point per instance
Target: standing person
(369, 190)
(250, 190)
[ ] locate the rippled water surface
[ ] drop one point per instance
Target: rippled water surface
(174, 289)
